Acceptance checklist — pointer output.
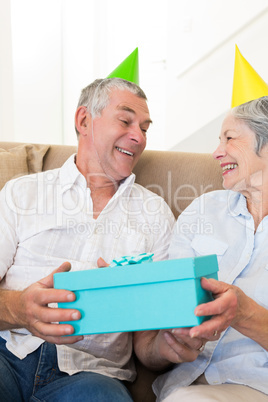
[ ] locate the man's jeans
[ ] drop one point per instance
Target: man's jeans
(37, 378)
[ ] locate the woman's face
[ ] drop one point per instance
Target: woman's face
(242, 168)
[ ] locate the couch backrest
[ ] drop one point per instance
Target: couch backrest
(178, 177)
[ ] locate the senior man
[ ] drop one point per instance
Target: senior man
(95, 191)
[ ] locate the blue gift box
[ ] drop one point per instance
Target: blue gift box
(136, 297)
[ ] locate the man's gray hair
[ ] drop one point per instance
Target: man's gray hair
(96, 96)
(255, 115)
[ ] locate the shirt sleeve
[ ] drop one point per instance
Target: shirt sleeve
(8, 236)
(162, 231)
(184, 231)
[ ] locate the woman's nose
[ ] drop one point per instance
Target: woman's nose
(219, 152)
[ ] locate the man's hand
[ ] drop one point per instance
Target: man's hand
(178, 349)
(29, 309)
(101, 263)
(157, 350)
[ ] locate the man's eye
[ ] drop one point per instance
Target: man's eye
(124, 122)
(228, 138)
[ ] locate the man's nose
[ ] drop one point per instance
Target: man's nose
(137, 135)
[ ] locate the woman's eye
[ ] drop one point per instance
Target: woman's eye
(229, 138)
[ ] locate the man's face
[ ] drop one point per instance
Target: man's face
(120, 134)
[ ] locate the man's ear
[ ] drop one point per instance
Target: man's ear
(82, 120)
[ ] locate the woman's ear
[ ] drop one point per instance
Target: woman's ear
(82, 120)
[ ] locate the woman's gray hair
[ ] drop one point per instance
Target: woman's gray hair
(96, 96)
(255, 115)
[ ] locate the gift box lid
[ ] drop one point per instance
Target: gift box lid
(137, 274)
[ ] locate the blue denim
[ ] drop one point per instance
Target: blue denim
(38, 378)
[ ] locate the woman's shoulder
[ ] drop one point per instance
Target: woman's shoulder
(217, 195)
(214, 200)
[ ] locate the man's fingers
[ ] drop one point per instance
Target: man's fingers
(48, 329)
(102, 263)
(179, 351)
(65, 340)
(60, 334)
(48, 315)
(48, 280)
(44, 297)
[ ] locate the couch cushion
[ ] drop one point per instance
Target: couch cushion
(21, 160)
(35, 156)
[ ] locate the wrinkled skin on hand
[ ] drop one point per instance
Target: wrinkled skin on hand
(29, 309)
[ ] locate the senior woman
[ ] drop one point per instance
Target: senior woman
(226, 357)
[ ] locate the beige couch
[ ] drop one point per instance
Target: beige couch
(178, 177)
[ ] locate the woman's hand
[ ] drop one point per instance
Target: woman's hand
(231, 307)
(225, 309)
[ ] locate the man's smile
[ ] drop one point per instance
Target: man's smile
(124, 151)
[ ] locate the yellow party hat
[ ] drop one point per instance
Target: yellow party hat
(247, 84)
(128, 69)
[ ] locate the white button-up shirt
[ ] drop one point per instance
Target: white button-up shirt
(220, 223)
(46, 219)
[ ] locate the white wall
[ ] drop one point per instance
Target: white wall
(80, 56)
(200, 71)
(37, 68)
(6, 74)
(60, 46)
(98, 35)
(186, 61)
(206, 139)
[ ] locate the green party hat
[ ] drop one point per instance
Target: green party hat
(129, 68)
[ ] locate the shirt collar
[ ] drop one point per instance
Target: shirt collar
(125, 185)
(70, 175)
(237, 204)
